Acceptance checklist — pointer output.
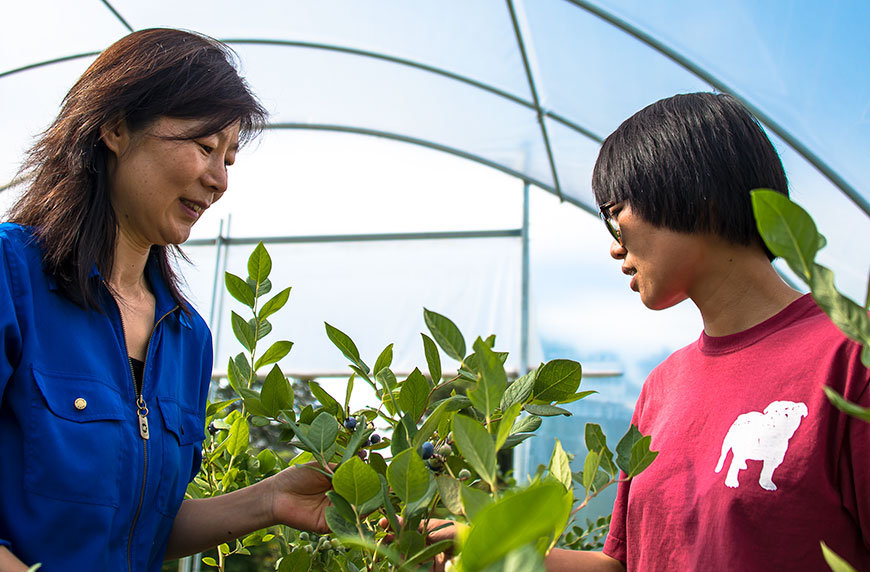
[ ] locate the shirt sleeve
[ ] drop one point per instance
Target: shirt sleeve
(615, 545)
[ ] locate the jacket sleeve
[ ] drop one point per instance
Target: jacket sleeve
(10, 331)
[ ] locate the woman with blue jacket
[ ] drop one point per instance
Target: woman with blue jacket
(104, 366)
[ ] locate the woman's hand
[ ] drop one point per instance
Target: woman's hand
(299, 498)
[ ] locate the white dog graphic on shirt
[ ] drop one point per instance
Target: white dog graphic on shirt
(761, 437)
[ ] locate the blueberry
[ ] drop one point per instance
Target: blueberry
(434, 464)
(375, 439)
(464, 475)
(428, 449)
(212, 429)
(350, 423)
(445, 450)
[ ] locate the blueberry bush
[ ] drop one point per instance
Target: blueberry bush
(428, 448)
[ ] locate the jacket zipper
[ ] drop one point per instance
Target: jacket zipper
(142, 414)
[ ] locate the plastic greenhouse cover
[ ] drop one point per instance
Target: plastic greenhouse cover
(801, 63)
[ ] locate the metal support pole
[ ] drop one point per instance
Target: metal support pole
(524, 294)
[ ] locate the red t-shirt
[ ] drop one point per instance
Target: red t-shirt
(755, 466)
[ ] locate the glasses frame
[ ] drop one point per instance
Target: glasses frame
(609, 222)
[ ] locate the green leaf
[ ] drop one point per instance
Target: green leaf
(296, 561)
(596, 441)
(328, 402)
(385, 359)
(527, 424)
(433, 359)
(387, 379)
(486, 395)
(348, 392)
(542, 410)
(262, 328)
(346, 345)
(623, 448)
(590, 468)
(450, 490)
(243, 331)
(525, 559)
(237, 440)
(274, 304)
(843, 405)
(323, 431)
(473, 501)
(403, 435)
(476, 446)
(446, 334)
(847, 315)
(495, 532)
(560, 466)
(519, 391)
(641, 456)
(414, 395)
(342, 505)
(356, 481)
(836, 562)
(274, 354)
(576, 397)
(408, 476)
(239, 289)
(516, 439)
(276, 394)
(338, 524)
(267, 460)
(557, 379)
(505, 426)
(430, 424)
(427, 553)
(217, 407)
(787, 230)
(259, 264)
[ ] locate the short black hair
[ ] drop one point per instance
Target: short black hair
(688, 163)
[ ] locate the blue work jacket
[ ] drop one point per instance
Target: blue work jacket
(81, 489)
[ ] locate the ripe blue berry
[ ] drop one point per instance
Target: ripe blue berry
(212, 429)
(375, 438)
(428, 449)
(350, 423)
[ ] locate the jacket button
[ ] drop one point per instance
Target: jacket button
(80, 403)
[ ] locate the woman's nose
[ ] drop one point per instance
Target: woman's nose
(617, 250)
(216, 176)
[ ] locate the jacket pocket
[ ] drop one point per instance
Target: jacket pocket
(73, 441)
(181, 448)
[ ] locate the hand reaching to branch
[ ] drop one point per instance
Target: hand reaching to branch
(299, 498)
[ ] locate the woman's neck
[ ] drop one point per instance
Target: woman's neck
(743, 291)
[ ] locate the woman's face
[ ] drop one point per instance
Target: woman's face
(665, 266)
(160, 186)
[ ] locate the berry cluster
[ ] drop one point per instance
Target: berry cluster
(350, 424)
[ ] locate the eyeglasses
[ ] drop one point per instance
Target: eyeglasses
(609, 221)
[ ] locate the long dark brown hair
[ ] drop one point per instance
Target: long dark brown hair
(143, 76)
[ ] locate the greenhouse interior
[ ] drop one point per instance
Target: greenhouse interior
(438, 156)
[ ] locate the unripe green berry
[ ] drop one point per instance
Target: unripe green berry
(464, 475)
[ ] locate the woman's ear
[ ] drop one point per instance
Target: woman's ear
(116, 136)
